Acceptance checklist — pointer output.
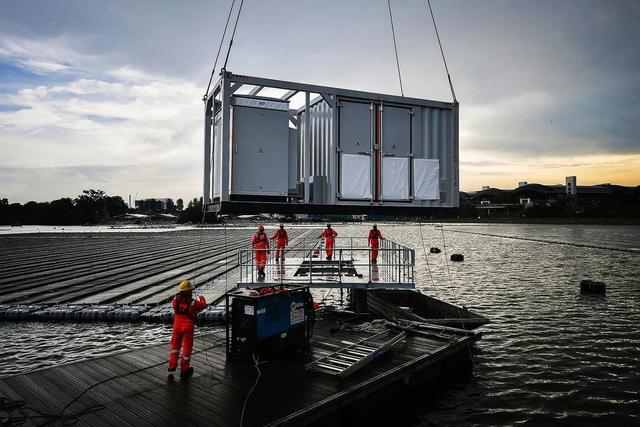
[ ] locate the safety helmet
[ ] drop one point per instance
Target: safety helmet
(185, 285)
(281, 225)
(261, 227)
(375, 225)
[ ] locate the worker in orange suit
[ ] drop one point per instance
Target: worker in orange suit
(329, 235)
(374, 242)
(260, 243)
(185, 309)
(282, 240)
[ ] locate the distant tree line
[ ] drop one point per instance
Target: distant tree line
(90, 207)
(193, 213)
(94, 207)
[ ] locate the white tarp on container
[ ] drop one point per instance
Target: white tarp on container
(355, 176)
(426, 179)
(395, 178)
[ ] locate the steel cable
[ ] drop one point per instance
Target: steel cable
(224, 67)
(395, 47)
(453, 93)
(215, 63)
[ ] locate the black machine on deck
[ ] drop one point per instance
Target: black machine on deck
(268, 319)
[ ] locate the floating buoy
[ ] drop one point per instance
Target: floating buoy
(434, 250)
(592, 287)
(457, 257)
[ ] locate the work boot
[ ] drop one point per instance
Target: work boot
(187, 373)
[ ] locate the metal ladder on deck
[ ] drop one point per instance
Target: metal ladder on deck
(349, 359)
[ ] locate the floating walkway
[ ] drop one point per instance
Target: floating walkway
(131, 388)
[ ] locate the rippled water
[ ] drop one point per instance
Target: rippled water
(32, 345)
(549, 355)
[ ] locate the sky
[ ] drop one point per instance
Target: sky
(108, 95)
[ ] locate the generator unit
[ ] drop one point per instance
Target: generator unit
(267, 320)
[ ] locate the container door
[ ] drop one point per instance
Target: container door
(355, 155)
(396, 151)
(260, 152)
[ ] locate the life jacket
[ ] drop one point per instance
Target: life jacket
(374, 235)
(329, 233)
(281, 236)
(260, 241)
(181, 306)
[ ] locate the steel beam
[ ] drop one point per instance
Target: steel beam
(255, 90)
(206, 190)
(225, 138)
(281, 84)
(287, 96)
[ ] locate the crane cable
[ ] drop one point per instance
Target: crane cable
(224, 67)
(395, 47)
(433, 19)
(215, 63)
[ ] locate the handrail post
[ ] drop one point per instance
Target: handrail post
(340, 266)
(310, 265)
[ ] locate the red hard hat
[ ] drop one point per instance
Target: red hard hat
(261, 227)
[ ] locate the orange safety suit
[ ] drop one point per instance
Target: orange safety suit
(260, 243)
(374, 242)
(185, 309)
(282, 240)
(329, 235)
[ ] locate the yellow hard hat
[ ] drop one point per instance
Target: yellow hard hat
(185, 285)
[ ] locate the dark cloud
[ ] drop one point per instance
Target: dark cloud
(535, 78)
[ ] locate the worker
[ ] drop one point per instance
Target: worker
(282, 240)
(185, 308)
(260, 243)
(374, 242)
(329, 235)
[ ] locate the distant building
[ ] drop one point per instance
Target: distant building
(485, 187)
(571, 186)
(522, 183)
(155, 205)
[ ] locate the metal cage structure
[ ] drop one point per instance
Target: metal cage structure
(341, 151)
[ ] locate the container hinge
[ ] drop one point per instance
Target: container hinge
(410, 155)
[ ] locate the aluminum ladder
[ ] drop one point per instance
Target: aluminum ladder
(348, 360)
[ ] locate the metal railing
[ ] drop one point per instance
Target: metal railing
(351, 263)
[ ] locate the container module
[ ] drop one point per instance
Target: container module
(332, 151)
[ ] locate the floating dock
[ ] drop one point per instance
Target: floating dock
(348, 363)
(131, 388)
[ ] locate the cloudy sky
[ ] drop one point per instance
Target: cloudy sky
(108, 94)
